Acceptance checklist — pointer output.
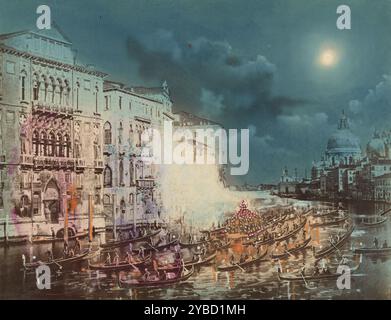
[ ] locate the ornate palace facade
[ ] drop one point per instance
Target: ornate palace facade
(51, 134)
(72, 142)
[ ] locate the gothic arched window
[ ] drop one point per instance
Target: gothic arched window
(96, 99)
(36, 142)
(51, 89)
(51, 145)
(107, 128)
(122, 205)
(35, 87)
(23, 82)
(106, 199)
(66, 146)
(43, 143)
(43, 88)
(59, 146)
(131, 198)
(121, 172)
(120, 133)
(77, 95)
(107, 177)
(58, 92)
(131, 172)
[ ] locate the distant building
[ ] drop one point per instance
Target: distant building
(288, 184)
(334, 174)
(130, 184)
(207, 147)
(383, 188)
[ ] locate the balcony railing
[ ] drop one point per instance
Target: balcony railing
(54, 162)
(25, 185)
(99, 165)
(48, 107)
(26, 160)
(145, 183)
(108, 149)
(80, 163)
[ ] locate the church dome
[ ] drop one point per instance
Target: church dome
(343, 140)
(376, 147)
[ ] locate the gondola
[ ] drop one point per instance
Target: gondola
(243, 265)
(41, 239)
(188, 264)
(290, 216)
(373, 251)
(264, 242)
(292, 251)
(157, 283)
(57, 262)
(376, 223)
(225, 245)
(314, 277)
(333, 247)
(197, 262)
(385, 211)
(307, 213)
(151, 248)
(123, 265)
(257, 242)
(214, 231)
(249, 239)
(121, 243)
(325, 214)
(328, 223)
(290, 234)
(195, 244)
(15, 241)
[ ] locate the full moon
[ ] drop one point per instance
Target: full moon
(328, 58)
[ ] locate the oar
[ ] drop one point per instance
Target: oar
(306, 284)
(152, 247)
(388, 210)
(133, 266)
(59, 266)
(336, 248)
(288, 252)
(236, 264)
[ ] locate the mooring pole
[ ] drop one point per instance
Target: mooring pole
(91, 219)
(114, 220)
(5, 234)
(65, 219)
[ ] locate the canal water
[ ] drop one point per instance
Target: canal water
(371, 281)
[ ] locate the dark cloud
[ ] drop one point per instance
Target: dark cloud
(209, 78)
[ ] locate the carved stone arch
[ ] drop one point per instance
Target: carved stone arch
(107, 177)
(51, 198)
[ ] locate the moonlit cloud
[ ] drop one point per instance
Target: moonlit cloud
(240, 65)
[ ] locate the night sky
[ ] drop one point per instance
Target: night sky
(278, 67)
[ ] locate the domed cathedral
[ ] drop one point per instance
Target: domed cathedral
(343, 147)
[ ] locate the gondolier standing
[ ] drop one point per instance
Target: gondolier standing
(65, 251)
(77, 248)
(375, 243)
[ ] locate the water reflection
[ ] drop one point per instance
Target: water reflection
(258, 282)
